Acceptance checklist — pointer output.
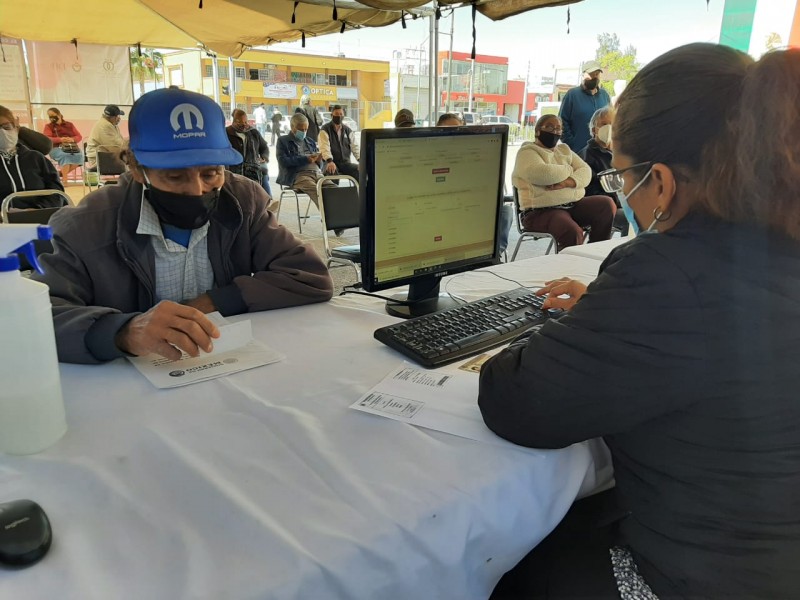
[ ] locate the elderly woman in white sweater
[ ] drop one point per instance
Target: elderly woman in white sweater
(550, 179)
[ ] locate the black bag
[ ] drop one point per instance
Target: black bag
(70, 147)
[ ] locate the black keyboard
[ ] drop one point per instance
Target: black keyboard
(447, 336)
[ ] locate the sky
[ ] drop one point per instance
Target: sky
(540, 36)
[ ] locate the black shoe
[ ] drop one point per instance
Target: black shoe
(338, 232)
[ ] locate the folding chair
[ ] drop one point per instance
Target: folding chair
(287, 191)
(339, 208)
(10, 214)
(109, 167)
(529, 235)
(36, 216)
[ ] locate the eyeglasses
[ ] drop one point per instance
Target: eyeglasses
(8, 126)
(612, 180)
(552, 129)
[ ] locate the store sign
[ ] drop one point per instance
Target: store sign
(280, 90)
(321, 91)
(350, 93)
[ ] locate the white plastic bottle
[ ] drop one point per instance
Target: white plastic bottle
(31, 406)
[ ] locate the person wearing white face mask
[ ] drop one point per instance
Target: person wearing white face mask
(22, 169)
(597, 153)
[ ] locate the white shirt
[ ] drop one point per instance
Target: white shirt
(260, 115)
(181, 273)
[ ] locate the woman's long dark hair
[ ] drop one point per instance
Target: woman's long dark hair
(759, 177)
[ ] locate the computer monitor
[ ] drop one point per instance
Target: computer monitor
(430, 206)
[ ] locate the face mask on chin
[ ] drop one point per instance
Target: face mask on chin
(181, 210)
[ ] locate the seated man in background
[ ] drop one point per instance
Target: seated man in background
(597, 154)
(299, 159)
(105, 135)
(248, 142)
(336, 143)
(137, 265)
(449, 120)
(551, 179)
(404, 118)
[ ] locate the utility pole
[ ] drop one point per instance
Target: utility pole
(471, 82)
(525, 97)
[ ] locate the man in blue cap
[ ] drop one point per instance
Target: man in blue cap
(137, 265)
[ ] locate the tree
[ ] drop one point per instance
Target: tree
(617, 63)
(145, 66)
(773, 41)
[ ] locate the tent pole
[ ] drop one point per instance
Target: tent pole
(232, 83)
(215, 76)
(450, 64)
(433, 70)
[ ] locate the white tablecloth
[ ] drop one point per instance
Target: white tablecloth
(596, 250)
(264, 484)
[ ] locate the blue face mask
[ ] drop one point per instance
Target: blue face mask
(299, 135)
(626, 208)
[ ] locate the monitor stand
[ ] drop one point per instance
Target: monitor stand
(424, 293)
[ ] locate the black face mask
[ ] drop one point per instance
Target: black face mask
(549, 139)
(54, 119)
(336, 120)
(181, 210)
(590, 84)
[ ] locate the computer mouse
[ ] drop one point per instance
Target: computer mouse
(25, 533)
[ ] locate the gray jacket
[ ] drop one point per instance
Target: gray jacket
(102, 272)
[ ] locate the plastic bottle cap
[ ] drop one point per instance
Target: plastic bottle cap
(9, 263)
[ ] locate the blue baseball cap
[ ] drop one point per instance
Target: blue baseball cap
(175, 129)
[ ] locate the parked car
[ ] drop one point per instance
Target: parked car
(350, 123)
(326, 116)
(471, 118)
(285, 125)
(496, 120)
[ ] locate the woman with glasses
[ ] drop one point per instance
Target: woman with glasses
(681, 353)
(550, 180)
(65, 137)
(22, 169)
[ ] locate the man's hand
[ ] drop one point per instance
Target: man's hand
(330, 168)
(569, 182)
(561, 287)
(166, 329)
(312, 158)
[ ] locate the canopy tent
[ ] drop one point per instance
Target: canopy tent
(227, 27)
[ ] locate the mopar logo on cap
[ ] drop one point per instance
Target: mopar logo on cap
(184, 112)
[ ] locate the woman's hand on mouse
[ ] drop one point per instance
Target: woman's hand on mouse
(561, 287)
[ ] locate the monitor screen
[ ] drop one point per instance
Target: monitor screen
(430, 203)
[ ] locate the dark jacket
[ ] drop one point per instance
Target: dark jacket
(682, 356)
(38, 173)
(292, 155)
(255, 148)
(576, 111)
(599, 159)
(314, 120)
(340, 149)
(103, 273)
